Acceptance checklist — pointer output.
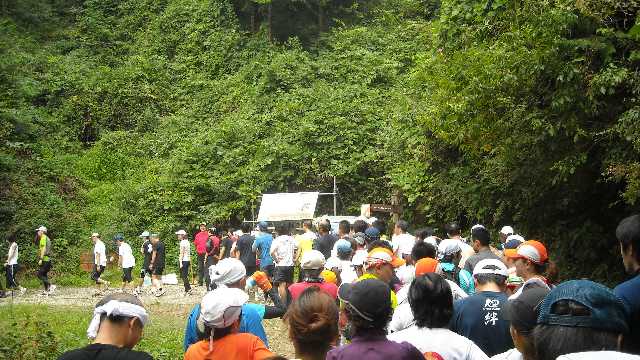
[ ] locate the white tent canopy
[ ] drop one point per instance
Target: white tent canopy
(288, 206)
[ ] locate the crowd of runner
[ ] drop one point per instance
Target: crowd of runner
(362, 294)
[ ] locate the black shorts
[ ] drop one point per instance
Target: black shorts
(126, 274)
(158, 270)
(268, 270)
(283, 274)
(97, 272)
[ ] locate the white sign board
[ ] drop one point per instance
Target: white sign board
(288, 206)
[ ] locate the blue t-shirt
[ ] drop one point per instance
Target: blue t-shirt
(250, 322)
(263, 245)
(480, 318)
(464, 278)
(629, 293)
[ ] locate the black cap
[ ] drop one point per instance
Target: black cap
(523, 310)
(369, 298)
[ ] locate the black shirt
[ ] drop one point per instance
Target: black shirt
(247, 256)
(226, 244)
(159, 248)
(104, 352)
(324, 244)
(147, 247)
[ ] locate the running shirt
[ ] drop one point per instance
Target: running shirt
(238, 346)
(480, 318)
(283, 248)
(42, 246)
(12, 255)
(185, 247)
(296, 289)
(438, 343)
(147, 249)
(404, 243)
(512, 354)
(104, 351)
(99, 250)
(200, 240)
(244, 248)
(629, 293)
(124, 251)
(159, 248)
(263, 246)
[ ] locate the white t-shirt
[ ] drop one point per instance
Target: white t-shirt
(599, 355)
(124, 251)
(406, 273)
(404, 243)
(13, 260)
(403, 316)
(444, 342)
(512, 354)
(99, 249)
(283, 249)
(347, 273)
(185, 246)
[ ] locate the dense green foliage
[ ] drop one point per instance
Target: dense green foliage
(122, 115)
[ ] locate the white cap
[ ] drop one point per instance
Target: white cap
(221, 307)
(42, 228)
(371, 220)
(486, 267)
(312, 259)
(227, 271)
(515, 237)
(359, 258)
(181, 232)
(144, 234)
(448, 247)
(477, 226)
(95, 234)
(507, 230)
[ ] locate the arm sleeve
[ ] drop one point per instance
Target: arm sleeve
(190, 332)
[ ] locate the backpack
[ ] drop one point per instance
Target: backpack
(452, 275)
(47, 247)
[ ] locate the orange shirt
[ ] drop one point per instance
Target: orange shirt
(239, 346)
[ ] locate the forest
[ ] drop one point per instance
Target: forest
(118, 116)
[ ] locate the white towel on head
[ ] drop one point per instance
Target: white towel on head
(116, 308)
(227, 271)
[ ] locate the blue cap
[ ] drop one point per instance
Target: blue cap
(512, 244)
(118, 237)
(372, 233)
(343, 246)
(263, 226)
(607, 310)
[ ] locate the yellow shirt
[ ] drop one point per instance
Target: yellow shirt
(304, 244)
(394, 299)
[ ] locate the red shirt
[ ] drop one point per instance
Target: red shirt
(297, 288)
(200, 241)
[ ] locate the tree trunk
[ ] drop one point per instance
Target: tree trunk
(269, 24)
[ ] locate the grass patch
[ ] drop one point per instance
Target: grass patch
(44, 332)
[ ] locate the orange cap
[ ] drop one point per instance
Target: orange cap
(381, 254)
(426, 265)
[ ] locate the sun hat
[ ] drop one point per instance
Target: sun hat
(95, 234)
(144, 234)
(42, 228)
(181, 232)
(222, 307)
